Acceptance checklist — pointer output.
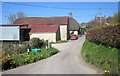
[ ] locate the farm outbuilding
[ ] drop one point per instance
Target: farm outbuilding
(46, 32)
(50, 28)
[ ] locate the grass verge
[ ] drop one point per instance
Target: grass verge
(103, 57)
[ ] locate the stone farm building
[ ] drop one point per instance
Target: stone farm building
(50, 28)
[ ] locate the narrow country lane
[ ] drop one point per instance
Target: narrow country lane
(67, 61)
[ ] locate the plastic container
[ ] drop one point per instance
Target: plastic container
(35, 50)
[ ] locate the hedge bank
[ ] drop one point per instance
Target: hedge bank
(107, 35)
(104, 58)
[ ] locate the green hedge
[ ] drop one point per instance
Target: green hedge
(108, 35)
(105, 58)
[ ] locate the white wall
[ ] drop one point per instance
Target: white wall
(75, 32)
(10, 33)
(51, 37)
(63, 32)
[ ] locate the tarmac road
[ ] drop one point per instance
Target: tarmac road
(67, 61)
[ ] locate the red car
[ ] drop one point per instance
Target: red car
(73, 37)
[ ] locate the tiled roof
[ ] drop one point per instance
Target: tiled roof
(37, 28)
(73, 24)
(42, 20)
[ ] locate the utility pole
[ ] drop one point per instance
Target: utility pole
(100, 16)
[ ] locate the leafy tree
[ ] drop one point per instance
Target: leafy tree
(115, 19)
(119, 17)
(109, 19)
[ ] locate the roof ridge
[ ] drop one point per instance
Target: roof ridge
(42, 20)
(46, 17)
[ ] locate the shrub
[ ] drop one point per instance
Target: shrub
(5, 60)
(36, 43)
(13, 47)
(108, 35)
(24, 46)
(4, 57)
(24, 58)
(61, 41)
(8, 47)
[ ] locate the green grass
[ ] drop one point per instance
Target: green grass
(103, 57)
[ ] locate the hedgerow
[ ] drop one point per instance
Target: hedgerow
(107, 35)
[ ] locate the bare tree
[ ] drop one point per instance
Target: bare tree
(20, 14)
(13, 17)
